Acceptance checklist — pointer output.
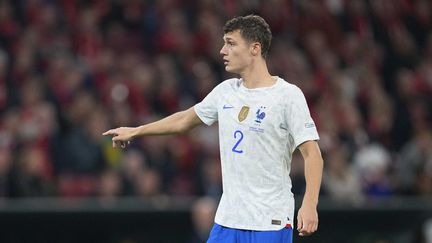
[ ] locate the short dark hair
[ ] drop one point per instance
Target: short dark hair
(252, 28)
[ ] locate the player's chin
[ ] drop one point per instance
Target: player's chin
(230, 69)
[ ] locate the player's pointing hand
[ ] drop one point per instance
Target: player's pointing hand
(121, 136)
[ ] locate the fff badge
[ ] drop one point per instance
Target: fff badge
(243, 113)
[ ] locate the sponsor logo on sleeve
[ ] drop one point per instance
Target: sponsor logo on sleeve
(309, 125)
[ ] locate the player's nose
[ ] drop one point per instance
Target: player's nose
(223, 50)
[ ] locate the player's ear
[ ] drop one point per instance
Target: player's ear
(256, 49)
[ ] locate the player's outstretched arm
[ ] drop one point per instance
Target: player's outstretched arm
(307, 217)
(176, 123)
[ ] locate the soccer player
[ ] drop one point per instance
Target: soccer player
(262, 120)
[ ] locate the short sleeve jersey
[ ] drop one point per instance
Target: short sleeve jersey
(259, 129)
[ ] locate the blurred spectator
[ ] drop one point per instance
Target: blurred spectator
(340, 180)
(203, 211)
(149, 185)
(6, 186)
(415, 165)
(78, 150)
(160, 159)
(210, 178)
(109, 186)
(373, 163)
(132, 166)
(32, 174)
(4, 63)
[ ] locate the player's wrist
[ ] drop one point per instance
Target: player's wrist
(136, 131)
(309, 202)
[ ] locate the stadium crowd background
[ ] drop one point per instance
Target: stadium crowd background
(70, 70)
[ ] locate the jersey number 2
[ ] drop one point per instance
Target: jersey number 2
(240, 138)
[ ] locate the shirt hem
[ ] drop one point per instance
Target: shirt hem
(244, 227)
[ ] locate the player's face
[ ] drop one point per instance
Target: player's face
(236, 52)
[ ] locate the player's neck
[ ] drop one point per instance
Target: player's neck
(257, 76)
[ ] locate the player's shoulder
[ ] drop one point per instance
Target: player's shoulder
(229, 84)
(289, 87)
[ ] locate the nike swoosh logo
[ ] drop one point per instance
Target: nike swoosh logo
(227, 107)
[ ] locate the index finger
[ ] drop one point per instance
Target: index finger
(299, 222)
(109, 132)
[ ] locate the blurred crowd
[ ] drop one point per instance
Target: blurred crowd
(71, 69)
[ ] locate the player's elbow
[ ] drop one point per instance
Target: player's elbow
(316, 158)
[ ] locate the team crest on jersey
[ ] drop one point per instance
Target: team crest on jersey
(243, 113)
(260, 115)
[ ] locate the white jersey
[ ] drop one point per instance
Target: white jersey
(259, 129)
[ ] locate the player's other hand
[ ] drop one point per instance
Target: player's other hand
(307, 220)
(121, 136)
